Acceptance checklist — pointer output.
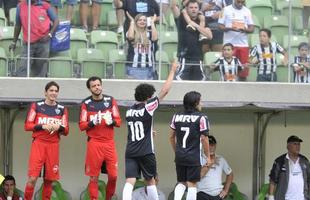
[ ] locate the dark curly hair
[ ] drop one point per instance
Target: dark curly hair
(191, 100)
(144, 91)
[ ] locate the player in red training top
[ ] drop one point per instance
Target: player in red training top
(98, 116)
(48, 120)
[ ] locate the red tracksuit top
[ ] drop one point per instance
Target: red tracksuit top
(40, 21)
(89, 110)
(39, 114)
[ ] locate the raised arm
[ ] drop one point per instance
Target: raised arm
(131, 31)
(167, 85)
(153, 28)
(174, 8)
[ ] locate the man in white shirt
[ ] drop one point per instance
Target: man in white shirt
(236, 22)
(210, 186)
(290, 174)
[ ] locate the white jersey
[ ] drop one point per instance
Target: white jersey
(234, 18)
(211, 183)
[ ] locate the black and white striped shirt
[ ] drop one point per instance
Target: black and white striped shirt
(140, 55)
(266, 57)
(302, 76)
(228, 69)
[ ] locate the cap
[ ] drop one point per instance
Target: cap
(212, 139)
(293, 138)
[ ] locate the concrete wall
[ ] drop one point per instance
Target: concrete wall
(232, 128)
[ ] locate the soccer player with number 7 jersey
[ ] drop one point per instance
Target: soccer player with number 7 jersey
(140, 156)
(190, 129)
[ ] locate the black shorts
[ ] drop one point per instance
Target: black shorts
(204, 196)
(188, 173)
(145, 164)
(190, 70)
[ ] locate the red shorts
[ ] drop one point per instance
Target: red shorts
(47, 155)
(96, 154)
(242, 53)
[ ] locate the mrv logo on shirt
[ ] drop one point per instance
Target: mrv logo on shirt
(186, 118)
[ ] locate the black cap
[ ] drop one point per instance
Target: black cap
(293, 138)
(212, 139)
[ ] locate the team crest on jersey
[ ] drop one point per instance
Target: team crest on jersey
(55, 169)
(57, 111)
(106, 104)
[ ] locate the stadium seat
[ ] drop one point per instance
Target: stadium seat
(61, 65)
(78, 40)
(165, 64)
(297, 25)
(105, 41)
(297, 8)
(139, 183)
(254, 39)
(252, 73)
(76, 21)
(111, 20)
(278, 26)
(263, 192)
(169, 41)
(118, 60)
(234, 192)
(12, 16)
(2, 18)
(171, 23)
(208, 59)
(101, 189)
(92, 63)
(106, 6)
(260, 8)
(3, 63)
(257, 24)
(282, 70)
(7, 39)
(295, 41)
(58, 193)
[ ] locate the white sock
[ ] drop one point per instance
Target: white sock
(179, 191)
(191, 193)
(152, 192)
(127, 191)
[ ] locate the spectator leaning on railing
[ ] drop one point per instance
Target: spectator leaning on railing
(236, 22)
(264, 54)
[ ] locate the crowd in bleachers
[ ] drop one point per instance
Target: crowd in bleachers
(99, 41)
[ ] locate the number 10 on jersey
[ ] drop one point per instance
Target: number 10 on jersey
(137, 130)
